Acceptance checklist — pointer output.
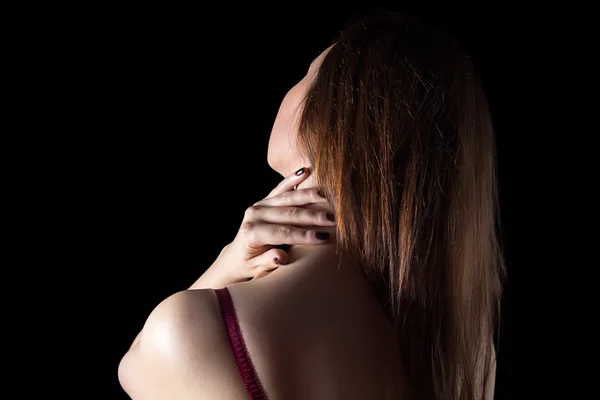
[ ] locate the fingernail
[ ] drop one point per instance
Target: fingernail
(300, 172)
(277, 261)
(330, 217)
(322, 235)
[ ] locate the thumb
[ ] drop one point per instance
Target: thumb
(269, 260)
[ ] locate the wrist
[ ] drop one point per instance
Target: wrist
(215, 276)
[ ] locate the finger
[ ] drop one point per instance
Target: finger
(269, 260)
(294, 198)
(290, 216)
(288, 183)
(257, 235)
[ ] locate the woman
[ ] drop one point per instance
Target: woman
(390, 289)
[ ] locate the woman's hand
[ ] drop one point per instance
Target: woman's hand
(277, 219)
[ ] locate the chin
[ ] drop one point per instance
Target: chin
(274, 164)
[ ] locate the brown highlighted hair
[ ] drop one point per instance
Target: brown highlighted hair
(397, 127)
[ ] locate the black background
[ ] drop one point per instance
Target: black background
(193, 96)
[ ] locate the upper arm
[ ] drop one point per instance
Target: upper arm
(183, 352)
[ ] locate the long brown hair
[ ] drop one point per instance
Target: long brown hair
(398, 129)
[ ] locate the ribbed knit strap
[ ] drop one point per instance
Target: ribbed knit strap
(238, 346)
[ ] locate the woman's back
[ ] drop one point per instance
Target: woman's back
(314, 330)
(394, 123)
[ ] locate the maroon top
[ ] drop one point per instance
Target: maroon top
(238, 346)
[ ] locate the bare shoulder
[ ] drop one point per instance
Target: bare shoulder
(183, 352)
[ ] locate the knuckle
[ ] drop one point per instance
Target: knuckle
(247, 228)
(283, 232)
(285, 198)
(290, 212)
(251, 211)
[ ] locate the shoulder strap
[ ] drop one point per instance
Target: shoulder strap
(238, 346)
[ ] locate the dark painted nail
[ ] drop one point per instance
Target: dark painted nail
(300, 172)
(322, 235)
(330, 217)
(277, 261)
